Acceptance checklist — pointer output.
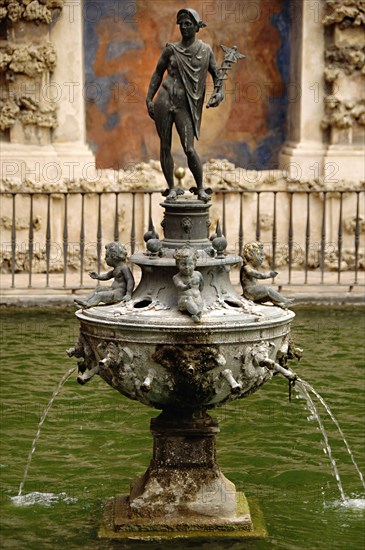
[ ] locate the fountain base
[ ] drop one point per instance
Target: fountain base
(183, 492)
(118, 525)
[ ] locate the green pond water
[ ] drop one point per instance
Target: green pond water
(95, 441)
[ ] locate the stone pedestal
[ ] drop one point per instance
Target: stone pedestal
(183, 477)
(183, 492)
(186, 221)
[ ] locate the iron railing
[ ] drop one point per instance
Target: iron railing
(310, 237)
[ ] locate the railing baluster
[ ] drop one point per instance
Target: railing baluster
(340, 239)
(82, 239)
(323, 236)
(31, 242)
(307, 238)
(133, 228)
(357, 235)
(116, 220)
(99, 233)
(290, 237)
(240, 230)
(13, 242)
(224, 221)
(65, 239)
(274, 234)
(48, 238)
(149, 206)
(258, 228)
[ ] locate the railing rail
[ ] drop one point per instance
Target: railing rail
(310, 237)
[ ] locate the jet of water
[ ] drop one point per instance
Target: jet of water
(335, 421)
(302, 390)
(44, 416)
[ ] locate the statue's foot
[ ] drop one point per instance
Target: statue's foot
(203, 194)
(196, 318)
(81, 303)
(285, 303)
(179, 191)
(170, 194)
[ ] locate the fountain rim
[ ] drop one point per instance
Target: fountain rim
(187, 326)
(142, 259)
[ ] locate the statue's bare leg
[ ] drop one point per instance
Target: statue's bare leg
(184, 127)
(164, 122)
(278, 299)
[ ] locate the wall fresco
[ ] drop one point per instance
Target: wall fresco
(123, 41)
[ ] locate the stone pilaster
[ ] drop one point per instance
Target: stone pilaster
(326, 115)
(344, 119)
(42, 117)
(302, 155)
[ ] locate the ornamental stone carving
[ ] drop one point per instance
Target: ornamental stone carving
(39, 12)
(26, 64)
(343, 114)
(344, 71)
(30, 60)
(345, 13)
(28, 111)
(349, 59)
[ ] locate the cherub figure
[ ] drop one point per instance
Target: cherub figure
(253, 256)
(189, 284)
(123, 284)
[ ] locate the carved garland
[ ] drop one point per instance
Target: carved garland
(26, 61)
(37, 11)
(349, 60)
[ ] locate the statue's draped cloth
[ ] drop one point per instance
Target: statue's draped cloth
(193, 64)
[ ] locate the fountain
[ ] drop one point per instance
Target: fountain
(184, 341)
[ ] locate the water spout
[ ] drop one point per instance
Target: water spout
(146, 386)
(235, 386)
(88, 374)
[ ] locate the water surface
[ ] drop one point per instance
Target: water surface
(94, 441)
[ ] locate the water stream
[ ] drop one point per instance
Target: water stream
(18, 499)
(302, 388)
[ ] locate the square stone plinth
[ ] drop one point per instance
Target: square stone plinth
(116, 524)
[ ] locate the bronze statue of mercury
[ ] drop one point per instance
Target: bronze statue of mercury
(181, 95)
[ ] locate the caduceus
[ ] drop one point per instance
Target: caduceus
(231, 57)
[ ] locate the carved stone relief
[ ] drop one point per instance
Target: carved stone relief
(345, 13)
(38, 12)
(345, 71)
(26, 65)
